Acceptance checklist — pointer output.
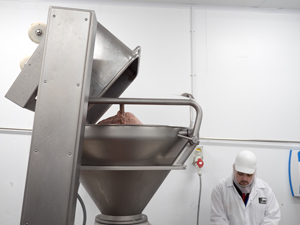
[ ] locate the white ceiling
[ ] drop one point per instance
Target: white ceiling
(264, 4)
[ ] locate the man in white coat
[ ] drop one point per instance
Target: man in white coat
(244, 199)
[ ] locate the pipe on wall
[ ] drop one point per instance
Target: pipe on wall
(201, 138)
(192, 31)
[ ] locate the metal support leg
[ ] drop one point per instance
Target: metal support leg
(60, 115)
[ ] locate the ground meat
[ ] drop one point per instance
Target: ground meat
(121, 118)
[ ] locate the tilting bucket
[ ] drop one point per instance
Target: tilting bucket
(115, 66)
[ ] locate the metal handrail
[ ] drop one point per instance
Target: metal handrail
(144, 101)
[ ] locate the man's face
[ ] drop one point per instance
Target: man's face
(243, 178)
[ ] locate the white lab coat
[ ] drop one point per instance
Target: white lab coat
(228, 207)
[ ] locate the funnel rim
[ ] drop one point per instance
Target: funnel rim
(119, 218)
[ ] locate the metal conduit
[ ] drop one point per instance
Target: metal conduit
(247, 140)
(192, 31)
(15, 129)
(201, 138)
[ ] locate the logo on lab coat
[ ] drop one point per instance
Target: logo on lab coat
(262, 200)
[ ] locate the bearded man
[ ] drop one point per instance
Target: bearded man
(243, 198)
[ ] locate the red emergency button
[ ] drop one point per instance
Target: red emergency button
(200, 163)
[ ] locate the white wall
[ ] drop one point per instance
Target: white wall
(247, 80)
(246, 73)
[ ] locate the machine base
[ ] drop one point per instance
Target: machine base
(140, 219)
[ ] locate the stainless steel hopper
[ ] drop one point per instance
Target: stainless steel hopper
(124, 165)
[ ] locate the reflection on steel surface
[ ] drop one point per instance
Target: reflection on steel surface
(131, 145)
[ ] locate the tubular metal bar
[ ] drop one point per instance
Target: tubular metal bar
(201, 138)
(247, 140)
(143, 101)
(15, 129)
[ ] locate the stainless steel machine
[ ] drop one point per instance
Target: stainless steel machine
(76, 73)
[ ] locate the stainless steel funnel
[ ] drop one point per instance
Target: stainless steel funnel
(114, 159)
(124, 165)
(122, 193)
